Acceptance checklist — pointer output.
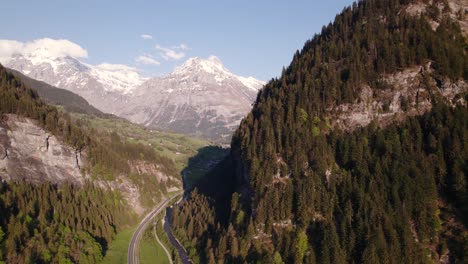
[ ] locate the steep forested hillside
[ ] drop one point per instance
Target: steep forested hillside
(308, 191)
(56, 96)
(43, 222)
(47, 223)
(107, 154)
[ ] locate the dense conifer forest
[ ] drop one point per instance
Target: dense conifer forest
(392, 198)
(47, 223)
(303, 192)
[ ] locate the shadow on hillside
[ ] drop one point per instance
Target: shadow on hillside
(212, 173)
(199, 165)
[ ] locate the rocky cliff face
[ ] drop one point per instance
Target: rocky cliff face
(27, 152)
(456, 10)
(404, 93)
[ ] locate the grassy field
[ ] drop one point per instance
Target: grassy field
(150, 250)
(117, 252)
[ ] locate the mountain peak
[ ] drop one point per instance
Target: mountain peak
(214, 66)
(215, 60)
(40, 52)
(211, 65)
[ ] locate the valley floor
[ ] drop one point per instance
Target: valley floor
(150, 250)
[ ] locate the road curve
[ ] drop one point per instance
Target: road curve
(133, 256)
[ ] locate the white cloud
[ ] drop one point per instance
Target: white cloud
(46, 47)
(146, 36)
(167, 53)
(8, 48)
(184, 46)
(147, 60)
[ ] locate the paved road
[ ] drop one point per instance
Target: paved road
(133, 256)
(178, 246)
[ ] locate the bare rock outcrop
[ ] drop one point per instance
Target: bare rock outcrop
(404, 93)
(457, 10)
(28, 152)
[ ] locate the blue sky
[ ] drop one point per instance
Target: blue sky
(252, 38)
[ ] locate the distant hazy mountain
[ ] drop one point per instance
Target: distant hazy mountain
(56, 96)
(200, 97)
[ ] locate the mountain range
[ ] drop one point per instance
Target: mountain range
(201, 97)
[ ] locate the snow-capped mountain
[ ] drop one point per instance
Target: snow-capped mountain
(200, 97)
(102, 85)
(214, 66)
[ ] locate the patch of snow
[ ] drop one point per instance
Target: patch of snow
(219, 78)
(213, 66)
(251, 82)
(117, 77)
(65, 72)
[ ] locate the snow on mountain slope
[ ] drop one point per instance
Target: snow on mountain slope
(104, 85)
(63, 69)
(200, 97)
(251, 82)
(213, 65)
(117, 77)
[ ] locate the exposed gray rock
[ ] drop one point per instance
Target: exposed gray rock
(405, 93)
(27, 152)
(30, 154)
(201, 97)
(457, 10)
